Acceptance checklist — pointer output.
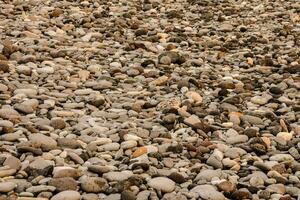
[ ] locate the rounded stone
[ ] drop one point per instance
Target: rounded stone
(93, 184)
(163, 184)
(67, 195)
(7, 186)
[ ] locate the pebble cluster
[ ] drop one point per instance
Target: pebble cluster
(149, 99)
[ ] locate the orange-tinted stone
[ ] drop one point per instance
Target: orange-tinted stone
(140, 151)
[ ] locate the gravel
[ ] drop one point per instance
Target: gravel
(149, 99)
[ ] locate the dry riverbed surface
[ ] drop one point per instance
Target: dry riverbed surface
(149, 99)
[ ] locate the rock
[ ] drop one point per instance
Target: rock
(127, 195)
(161, 183)
(28, 106)
(68, 143)
(256, 181)
(237, 139)
(39, 167)
(264, 194)
(234, 152)
(251, 132)
(128, 144)
(109, 147)
(196, 123)
(208, 174)
(6, 126)
(285, 136)
(294, 152)
(12, 162)
(58, 123)
(45, 70)
(208, 192)
(140, 151)
(252, 120)
(241, 194)
(166, 60)
(40, 188)
(63, 184)
(276, 90)
(93, 184)
(44, 142)
(175, 57)
(215, 159)
(260, 100)
(160, 81)
(226, 27)
(194, 96)
(10, 114)
(29, 92)
(23, 69)
(104, 98)
(177, 177)
(227, 186)
(143, 195)
(281, 157)
(7, 172)
(6, 187)
(67, 195)
(90, 196)
(4, 67)
(276, 188)
(117, 176)
(61, 172)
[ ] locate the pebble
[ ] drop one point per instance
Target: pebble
(6, 187)
(237, 139)
(67, 195)
(39, 167)
(40, 188)
(281, 157)
(162, 183)
(285, 136)
(4, 66)
(93, 184)
(118, 176)
(46, 143)
(208, 174)
(63, 184)
(149, 100)
(61, 172)
(208, 192)
(215, 159)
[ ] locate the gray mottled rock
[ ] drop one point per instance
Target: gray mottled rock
(67, 195)
(208, 192)
(117, 176)
(93, 184)
(7, 186)
(162, 183)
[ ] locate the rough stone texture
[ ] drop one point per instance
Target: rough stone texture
(162, 183)
(152, 99)
(67, 195)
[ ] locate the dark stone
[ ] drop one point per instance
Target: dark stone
(4, 66)
(25, 149)
(127, 195)
(275, 90)
(175, 148)
(176, 58)
(141, 32)
(251, 132)
(146, 63)
(240, 195)
(177, 177)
